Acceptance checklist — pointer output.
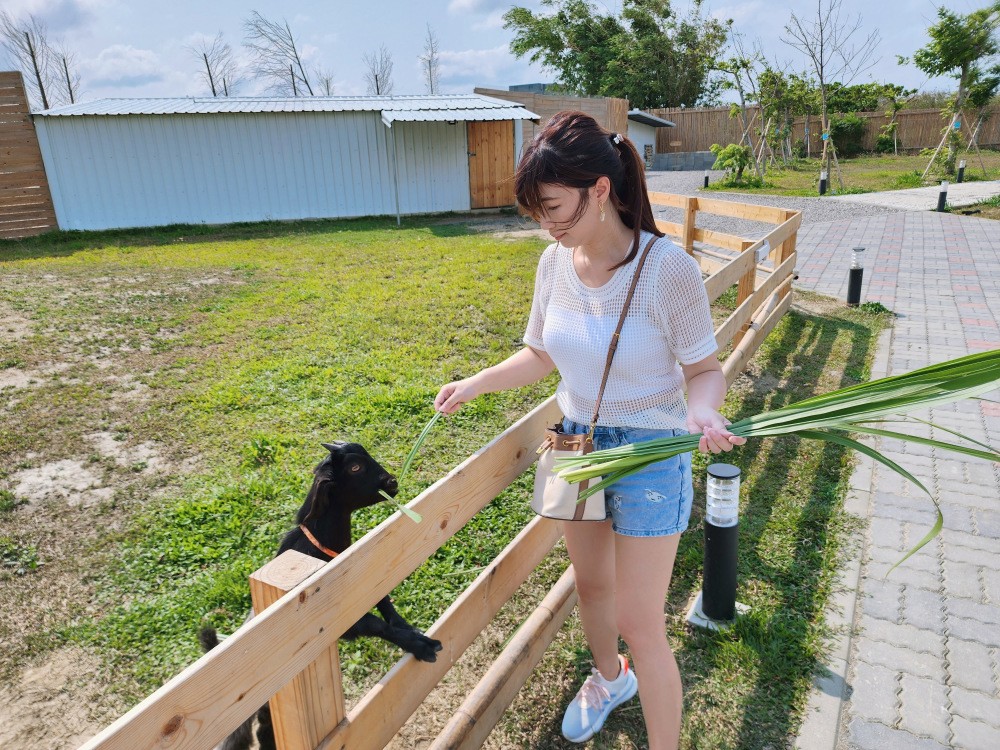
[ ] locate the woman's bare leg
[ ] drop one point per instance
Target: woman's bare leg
(591, 548)
(643, 567)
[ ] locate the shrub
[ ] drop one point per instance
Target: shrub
(734, 158)
(847, 132)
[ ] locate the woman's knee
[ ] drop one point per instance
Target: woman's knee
(595, 589)
(639, 629)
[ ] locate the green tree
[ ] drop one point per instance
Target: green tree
(960, 46)
(646, 54)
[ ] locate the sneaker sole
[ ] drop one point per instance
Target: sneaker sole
(625, 697)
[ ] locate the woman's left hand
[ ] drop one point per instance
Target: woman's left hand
(715, 438)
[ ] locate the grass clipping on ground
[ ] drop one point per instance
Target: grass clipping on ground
(235, 352)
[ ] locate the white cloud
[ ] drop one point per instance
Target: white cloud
(57, 15)
(476, 65)
(124, 65)
(491, 22)
(477, 6)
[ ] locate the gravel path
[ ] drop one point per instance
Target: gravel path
(814, 210)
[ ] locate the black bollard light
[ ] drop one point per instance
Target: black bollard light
(961, 171)
(822, 182)
(856, 273)
(943, 195)
(706, 176)
(718, 588)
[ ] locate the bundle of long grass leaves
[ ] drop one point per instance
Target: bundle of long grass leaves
(864, 408)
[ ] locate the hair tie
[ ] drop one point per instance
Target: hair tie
(617, 138)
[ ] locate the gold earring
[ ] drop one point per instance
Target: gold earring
(602, 211)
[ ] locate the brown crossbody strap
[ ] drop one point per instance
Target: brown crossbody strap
(613, 346)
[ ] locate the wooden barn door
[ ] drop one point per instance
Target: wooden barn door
(491, 163)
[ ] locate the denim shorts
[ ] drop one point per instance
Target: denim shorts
(653, 502)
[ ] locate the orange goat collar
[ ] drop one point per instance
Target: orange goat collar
(315, 541)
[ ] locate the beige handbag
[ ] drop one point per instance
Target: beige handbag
(554, 497)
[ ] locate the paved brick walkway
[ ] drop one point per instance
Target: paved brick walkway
(922, 669)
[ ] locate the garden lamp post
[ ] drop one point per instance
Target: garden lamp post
(822, 182)
(716, 606)
(961, 171)
(856, 273)
(942, 196)
(706, 176)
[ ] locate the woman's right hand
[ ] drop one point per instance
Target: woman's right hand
(451, 397)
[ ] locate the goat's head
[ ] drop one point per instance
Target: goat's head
(347, 479)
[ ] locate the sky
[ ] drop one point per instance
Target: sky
(139, 48)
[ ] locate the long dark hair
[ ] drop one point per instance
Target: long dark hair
(573, 150)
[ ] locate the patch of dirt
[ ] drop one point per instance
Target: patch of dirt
(67, 480)
(15, 326)
(48, 707)
(13, 377)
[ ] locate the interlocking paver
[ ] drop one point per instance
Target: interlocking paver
(869, 735)
(875, 691)
(971, 665)
(974, 735)
(962, 580)
(923, 609)
(905, 636)
(924, 708)
(975, 706)
(901, 659)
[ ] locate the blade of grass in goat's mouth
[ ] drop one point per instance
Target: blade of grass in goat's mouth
(411, 514)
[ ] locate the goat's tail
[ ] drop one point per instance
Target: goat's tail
(242, 738)
(209, 639)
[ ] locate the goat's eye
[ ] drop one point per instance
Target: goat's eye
(355, 468)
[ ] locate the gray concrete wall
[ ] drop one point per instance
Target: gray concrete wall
(690, 160)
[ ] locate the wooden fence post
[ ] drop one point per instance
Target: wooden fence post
(690, 219)
(786, 251)
(309, 707)
(744, 291)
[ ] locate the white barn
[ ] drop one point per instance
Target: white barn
(642, 127)
(150, 162)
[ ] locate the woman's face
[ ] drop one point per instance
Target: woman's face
(559, 207)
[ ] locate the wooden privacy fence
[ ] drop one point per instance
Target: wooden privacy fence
(611, 113)
(699, 127)
(288, 653)
(25, 202)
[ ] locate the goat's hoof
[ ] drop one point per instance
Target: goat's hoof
(426, 649)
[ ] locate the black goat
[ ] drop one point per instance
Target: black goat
(344, 481)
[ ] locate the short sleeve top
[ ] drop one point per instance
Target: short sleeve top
(668, 324)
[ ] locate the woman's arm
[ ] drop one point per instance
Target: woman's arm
(523, 368)
(706, 387)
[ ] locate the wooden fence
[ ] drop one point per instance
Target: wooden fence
(25, 202)
(698, 128)
(288, 653)
(610, 113)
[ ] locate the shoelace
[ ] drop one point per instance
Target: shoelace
(593, 694)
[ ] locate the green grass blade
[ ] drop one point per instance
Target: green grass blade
(416, 446)
(409, 513)
(990, 455)
(869, 451)
(959, 434)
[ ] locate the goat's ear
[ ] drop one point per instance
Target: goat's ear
(316, 502)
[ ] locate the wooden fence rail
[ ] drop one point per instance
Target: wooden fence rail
(25, 202)
(288, 652)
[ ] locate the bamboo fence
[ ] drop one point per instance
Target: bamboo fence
(699, 127)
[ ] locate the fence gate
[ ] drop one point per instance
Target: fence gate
(25, 202)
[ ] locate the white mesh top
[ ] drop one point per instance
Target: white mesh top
(668, 323)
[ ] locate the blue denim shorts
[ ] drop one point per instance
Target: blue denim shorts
(653, 502)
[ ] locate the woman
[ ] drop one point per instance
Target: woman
(587, 188)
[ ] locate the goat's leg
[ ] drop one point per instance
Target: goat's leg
(407, 638)
(390, 615)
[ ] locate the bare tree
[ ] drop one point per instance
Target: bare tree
(430, 62)
(835, 53)
(378, 74)
(69, 79)
(27, 44)
(220, 70)
(275, 54)
(324, 78)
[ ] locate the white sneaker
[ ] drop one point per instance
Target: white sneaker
(597, 698)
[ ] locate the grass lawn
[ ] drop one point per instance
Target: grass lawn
(164, 393)
(986, 210)
(866, 174)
